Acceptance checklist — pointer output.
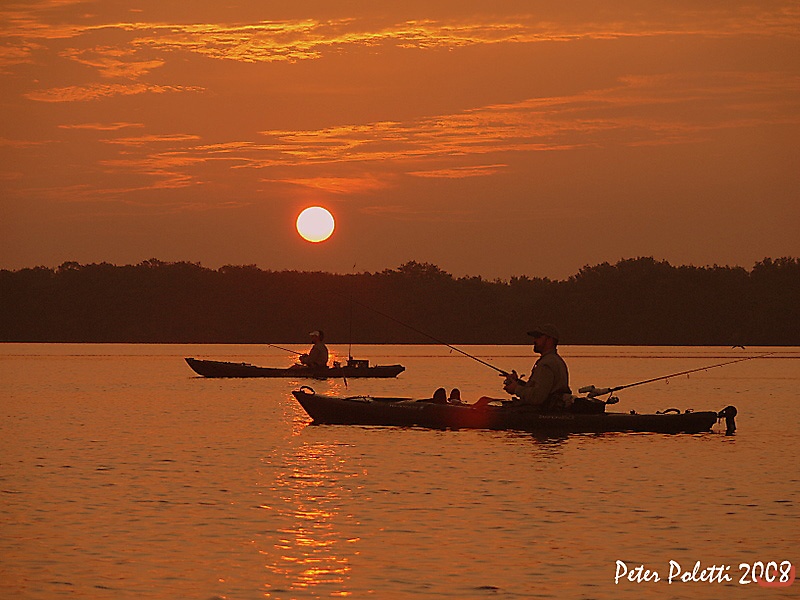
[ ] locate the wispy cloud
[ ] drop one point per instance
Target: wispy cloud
(145, 140)
(101, 126)
(13, 55)
(636, 111)
(84, 93)
(460, 172)
(8, 143)
(113, 62)
(368, 157)
(293, 41)
(307, 39)
(338, 185)
(656, 109)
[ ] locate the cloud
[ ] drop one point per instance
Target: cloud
(101, 126)
(109, 62)
(460, 172)
(638, 110)
(13, 55)
(97, 91)
(145, 140)
(7, 143)
(292, 41)
(309, 39)
(338, 185)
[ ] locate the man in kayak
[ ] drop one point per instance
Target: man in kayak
(317, 357)
(548, 386)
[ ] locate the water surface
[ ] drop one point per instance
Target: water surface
(124, 475)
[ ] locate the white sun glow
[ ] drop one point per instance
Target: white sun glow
(315, 224)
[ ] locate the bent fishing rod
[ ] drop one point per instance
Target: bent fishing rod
(592, 391)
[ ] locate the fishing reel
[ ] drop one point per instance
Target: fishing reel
(512, 378)
(593, 392)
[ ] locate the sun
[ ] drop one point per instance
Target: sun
(315, 224)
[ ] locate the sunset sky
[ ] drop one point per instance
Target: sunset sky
(511, 137)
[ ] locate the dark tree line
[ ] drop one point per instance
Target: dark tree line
(637, 301)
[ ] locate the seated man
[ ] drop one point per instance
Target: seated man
(548, 385)
(547, 389)
(317, 357)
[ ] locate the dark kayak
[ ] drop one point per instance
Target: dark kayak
(407, 412)
(354, 368)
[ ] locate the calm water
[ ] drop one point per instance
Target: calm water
(123, 475)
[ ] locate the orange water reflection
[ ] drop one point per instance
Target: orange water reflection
(311, 548)
(294, 413)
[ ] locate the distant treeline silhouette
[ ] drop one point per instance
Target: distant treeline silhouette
(638, 301)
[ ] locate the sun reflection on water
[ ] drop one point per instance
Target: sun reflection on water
(310, 547)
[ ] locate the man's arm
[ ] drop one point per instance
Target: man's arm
(536, 390)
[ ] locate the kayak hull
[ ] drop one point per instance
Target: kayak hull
(406, 412)
(215, 368)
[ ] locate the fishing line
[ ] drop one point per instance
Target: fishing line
(730, 362)
(412, 328)
(593, 391)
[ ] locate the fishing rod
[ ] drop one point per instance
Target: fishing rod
(592, 391)
(285, 349)
(412, 328)
(350, 342)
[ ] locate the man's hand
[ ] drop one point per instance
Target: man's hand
(511, 382)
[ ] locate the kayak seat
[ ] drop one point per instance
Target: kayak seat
(439, 397)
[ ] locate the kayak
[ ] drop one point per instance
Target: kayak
(408, 412)
(353, 368)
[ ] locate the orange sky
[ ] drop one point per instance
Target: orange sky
(498, 138)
